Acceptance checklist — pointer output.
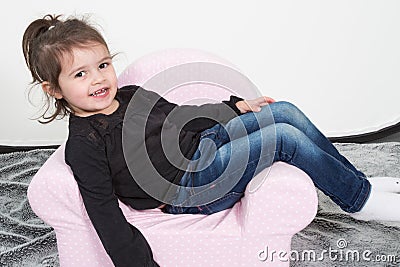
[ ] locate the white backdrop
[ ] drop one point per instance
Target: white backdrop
(339, 61)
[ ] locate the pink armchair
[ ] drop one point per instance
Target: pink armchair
(257, 231)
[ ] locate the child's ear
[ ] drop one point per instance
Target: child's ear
(49, 89)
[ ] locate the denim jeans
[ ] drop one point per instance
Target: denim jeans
(279, 132)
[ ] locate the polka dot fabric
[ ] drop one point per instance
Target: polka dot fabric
(252, 233)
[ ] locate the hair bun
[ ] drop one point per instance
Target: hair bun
(35, 30)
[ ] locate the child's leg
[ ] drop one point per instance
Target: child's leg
(238, 161)
(333, 177)
(351, 192)
(285, 112)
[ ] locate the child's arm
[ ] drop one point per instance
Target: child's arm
(194, 118)
(123, 242)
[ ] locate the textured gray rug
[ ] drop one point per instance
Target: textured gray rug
(332, 239)
(352, 242)
(24, 239)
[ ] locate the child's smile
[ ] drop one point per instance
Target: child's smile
(100, 93)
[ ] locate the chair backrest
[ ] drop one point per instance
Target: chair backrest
(183, 67)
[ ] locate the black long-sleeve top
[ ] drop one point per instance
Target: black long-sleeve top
(94, 151)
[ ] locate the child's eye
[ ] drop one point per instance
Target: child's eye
(80, 74)
(103, 65)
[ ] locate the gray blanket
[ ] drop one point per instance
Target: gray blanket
(332, 239)
(352, 242)
(25, 240)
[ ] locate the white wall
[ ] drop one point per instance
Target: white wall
(339, 61)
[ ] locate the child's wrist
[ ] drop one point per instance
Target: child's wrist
(241, 105)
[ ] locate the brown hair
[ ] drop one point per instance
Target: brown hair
(44, 43)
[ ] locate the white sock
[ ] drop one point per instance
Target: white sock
(385, 184)
(381, 205)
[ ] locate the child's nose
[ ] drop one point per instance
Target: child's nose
(98, 77)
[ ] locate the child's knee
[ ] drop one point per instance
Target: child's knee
(287, 107)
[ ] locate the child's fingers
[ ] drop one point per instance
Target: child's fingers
(269, 100)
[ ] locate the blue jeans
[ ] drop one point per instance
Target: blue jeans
(289, 137)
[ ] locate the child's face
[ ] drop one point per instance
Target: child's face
(88, 81)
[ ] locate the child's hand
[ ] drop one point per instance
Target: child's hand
(254, 105)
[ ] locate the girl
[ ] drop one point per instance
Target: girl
(72, 63)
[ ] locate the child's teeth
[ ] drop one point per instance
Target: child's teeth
(99, 92)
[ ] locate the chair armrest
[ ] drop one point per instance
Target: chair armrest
(284, 202)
